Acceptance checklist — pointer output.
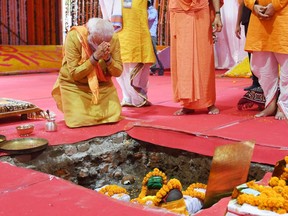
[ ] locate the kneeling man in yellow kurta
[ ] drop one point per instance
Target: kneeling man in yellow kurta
(84, 91)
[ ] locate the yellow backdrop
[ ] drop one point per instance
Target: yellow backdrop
(24, 59)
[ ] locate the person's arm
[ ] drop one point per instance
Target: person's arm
(217, 21)
(256, 9)
(238, 22)
(270, 11)
(278, 4)
(72, 52)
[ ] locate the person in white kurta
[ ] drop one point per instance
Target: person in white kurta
(267, 39)
(229, 50)
(136, 52)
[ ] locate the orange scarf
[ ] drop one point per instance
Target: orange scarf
(97, 73)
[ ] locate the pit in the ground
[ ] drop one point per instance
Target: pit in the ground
(114, 159)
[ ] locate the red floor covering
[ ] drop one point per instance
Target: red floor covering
(199, 133)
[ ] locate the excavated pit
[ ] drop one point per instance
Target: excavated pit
(121, 160)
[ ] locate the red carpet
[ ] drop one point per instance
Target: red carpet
(26, 192)
(38, 193)
(156, 124)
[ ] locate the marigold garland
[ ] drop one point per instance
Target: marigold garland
(155, 172)
(110, 190)
(143, 201)
(272, 197)
(275, 181)
(190, 191)
(172, 184)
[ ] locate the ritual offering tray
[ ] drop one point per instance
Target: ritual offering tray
(11, 107)
(23, 145)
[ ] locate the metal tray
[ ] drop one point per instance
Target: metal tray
(23, 145)
(2, 138)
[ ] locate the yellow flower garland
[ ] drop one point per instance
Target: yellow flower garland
(156, 200)
(172, 184)
(110, 190)
(155, 172)
(190, 191)
(273, 197)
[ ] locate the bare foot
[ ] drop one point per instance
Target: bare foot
(279, 115)
(183, 111)
(269, 110)
(213, 110)
(126, 104)
(147, 103)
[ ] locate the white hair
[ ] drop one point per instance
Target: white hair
(100, 28)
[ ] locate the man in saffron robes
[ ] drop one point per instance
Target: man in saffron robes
(192, 58)
(84, 91)
(267, 39)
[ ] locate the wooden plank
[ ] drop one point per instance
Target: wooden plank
(59, 29)
(7, 23)
(77, 12)
(39, 21)
(82, 13)
(30, 21)
(86, 11)
(47, 22)
(13, 21)
(22, 22)
(10, 22)
(90, 10)
(53, 22)
(4, 22)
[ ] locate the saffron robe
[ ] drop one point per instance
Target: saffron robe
(72, 92)
(192, 58)
(268, 35)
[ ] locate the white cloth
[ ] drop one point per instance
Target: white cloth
(112, 10)
(153, 21)
(229, 50)
(235, 209)
(130, 95)
(193, 204)
(122, 197)
(265, 65)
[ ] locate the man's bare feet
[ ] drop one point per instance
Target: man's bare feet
(183, 111)
(279, 115)
(213, 110)
(126, 104)
(148, 103)
(270, 110)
